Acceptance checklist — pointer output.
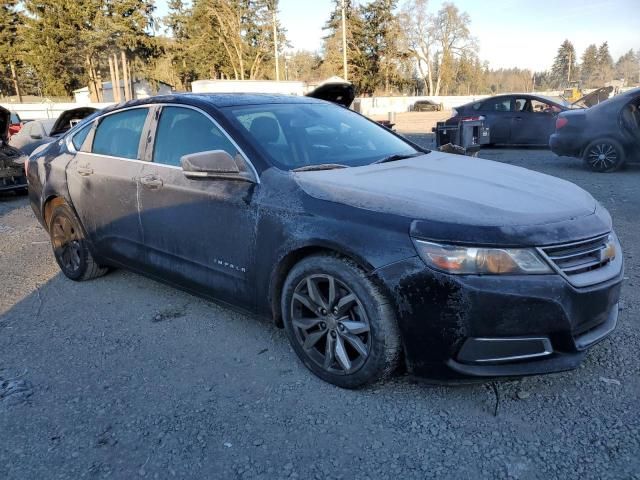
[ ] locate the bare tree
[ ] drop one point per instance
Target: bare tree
(417, 38)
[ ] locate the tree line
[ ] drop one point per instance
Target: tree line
(52, 47)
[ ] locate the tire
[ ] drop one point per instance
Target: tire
(604, 155)
(70, 247)
(351, 339)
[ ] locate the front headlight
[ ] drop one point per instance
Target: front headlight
(481, 261)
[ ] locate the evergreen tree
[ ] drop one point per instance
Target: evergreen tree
(10, 22)
(589, 66)
(605, 65)
(564, 67)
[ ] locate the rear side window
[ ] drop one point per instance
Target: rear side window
(118, 134)
(182, 131)
(497, 105)
(79, 138)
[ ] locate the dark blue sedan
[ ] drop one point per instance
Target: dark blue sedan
(514, 119)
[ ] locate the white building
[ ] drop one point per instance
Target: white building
(141, 89)
(249, 86)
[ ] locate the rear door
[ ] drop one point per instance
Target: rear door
(198, 233)
(103, 182)
(498, 113)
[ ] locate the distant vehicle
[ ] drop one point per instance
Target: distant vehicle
(605, 136)
(12, 175)
(15, 125)
(38, 132)
(368, 249)
(426, 106)
(517, 119)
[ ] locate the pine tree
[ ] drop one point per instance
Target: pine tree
(10, 22)
(589, 66)
(564, 67)
(605, 65)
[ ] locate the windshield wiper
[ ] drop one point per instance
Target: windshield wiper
(397, 156)
(321, 166)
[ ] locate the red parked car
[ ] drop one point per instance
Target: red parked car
(15, 125)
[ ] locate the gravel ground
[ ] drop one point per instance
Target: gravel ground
(122, 377)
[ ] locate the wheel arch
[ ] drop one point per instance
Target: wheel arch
(295, 255)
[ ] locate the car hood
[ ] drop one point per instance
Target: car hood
(465, 199)
(69, 118)
(5, 121)
(335, 90)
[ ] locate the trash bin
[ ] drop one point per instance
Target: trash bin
(468, 134)
(446, 134)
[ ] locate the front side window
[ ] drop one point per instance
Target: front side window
(118, 134)
(182, 131)
(299, 135)
(79, 138)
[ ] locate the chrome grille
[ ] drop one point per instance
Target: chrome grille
(581, 257)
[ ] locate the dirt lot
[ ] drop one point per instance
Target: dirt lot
(124, 378)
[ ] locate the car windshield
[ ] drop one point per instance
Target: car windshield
(298, 135)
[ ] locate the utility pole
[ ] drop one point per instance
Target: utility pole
(275, 39)
(569, 69)
(344, 42)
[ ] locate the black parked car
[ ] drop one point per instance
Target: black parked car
(370, 250)
(517, 119)
(605, 136)
(38, 132)
(11, 160)
(426, 106)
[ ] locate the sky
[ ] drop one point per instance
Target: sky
(511, 33)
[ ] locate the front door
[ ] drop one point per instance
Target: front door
(198, 233)
(533, 122)
(102, 181)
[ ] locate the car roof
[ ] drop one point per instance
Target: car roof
(222, 100)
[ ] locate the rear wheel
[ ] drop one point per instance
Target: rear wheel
(70, 247)
(604, 155)
(339, 323)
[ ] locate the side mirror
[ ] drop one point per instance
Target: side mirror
(213, 164)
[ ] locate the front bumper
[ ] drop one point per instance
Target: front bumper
(492, 326)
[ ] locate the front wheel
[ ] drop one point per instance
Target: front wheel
(604, 155)
(339, 323)
(70, 247)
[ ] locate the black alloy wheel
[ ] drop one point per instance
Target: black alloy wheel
(70, 247)
(339, 322)
(330, 324)
(604, 155)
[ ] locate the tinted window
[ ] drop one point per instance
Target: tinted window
(119, 134)
(182, 131)
(78, 138)
(497, 105)
(15, 119)
(298, 135)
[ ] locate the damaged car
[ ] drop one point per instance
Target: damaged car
(12, 177)
(38, 132)
(605, 136)
(517, 119)
(371, 252)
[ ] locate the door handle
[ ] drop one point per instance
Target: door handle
(84, 171)
(151, 182)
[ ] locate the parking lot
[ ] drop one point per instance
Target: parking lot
(123, 377)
